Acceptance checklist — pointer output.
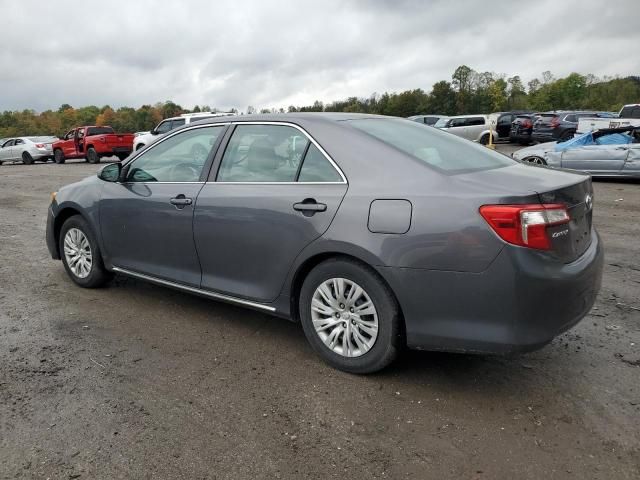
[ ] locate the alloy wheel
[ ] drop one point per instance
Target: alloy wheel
(77, 252)
(344, 317)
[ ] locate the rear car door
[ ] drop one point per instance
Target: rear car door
(603, 159)
(275, 191)
(458, 126)
(146, 221)
(475, 126)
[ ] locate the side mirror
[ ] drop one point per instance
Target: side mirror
(110, 173)
(153, 131)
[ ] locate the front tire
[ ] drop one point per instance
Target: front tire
(58, 157)
(484, 140)
(81, 254)
(535, 160)
(92, 155)
(27, 159)
(350, 317)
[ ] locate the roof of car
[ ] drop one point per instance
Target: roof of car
(293, 117)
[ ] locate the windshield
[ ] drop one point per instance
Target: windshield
(433, 147)
(441, 123)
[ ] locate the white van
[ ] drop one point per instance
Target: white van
(471, 127)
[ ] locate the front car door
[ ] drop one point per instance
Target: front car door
(147, 220)
(6, 151)
(275, 191)
(458, 126)
(69, 144)
(602, 159)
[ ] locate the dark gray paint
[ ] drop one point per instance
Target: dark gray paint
(459, 286)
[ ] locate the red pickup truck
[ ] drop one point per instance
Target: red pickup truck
(92, 143)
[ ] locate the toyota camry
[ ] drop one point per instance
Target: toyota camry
(375, 233)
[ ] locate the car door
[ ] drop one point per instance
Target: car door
(632, 163)
(6, 151)
(474, 127)
(458, 126)
(69, 144)
(146, 220)
(602, 159)
(274, 193)
(19, 146)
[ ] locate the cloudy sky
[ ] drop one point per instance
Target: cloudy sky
(271, 53)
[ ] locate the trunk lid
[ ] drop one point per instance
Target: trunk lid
(526, 184)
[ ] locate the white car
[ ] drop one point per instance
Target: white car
(168, 124)
(26, 149)
(471, 127)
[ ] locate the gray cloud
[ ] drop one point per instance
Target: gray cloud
(276, 53)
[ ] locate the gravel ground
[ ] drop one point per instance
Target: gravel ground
(139, 381)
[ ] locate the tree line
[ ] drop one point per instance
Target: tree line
(468, 91)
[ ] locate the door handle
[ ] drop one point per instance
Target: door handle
(309, 207)
(181, 201)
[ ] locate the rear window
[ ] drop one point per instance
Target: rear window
(437, 149)
(99, 131)
(632, 111)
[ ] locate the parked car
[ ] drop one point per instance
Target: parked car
(26, 149)
(365, 265)
(172, 123)
(471, 127)
(522, 128)
(427, 119)
(612, 152)
(558, 126)
(92, 143)
(502, 122)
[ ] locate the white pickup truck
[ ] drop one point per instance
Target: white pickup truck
(629, 116)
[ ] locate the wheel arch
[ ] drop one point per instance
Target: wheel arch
(62, 216)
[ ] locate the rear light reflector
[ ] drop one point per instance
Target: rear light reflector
(525, 225)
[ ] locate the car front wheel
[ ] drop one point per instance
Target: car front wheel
(81, 255)
(350, 317)
(58, 157)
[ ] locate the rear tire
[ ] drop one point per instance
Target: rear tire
(484, 140)
(27, 159)
(58, 157)
(366, 353)
(535, 160)
(81, 254)
(92, 155)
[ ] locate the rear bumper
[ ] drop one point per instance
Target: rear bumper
(520, 303)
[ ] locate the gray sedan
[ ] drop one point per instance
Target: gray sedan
(591, 153)
(26, 149)
(374, 232)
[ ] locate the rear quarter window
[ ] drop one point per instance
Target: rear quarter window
(437, 149)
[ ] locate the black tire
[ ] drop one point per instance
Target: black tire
(27, 159)
(92, 155)
(390, 338)
(484, 140)
(139, 146)
(98, 275)
(535, 160)
(58, 156)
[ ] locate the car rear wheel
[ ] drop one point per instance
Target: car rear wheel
(58, 156)
(81, 255)
(92, 155)
(27, 159)
(350, 317)
(484, 140)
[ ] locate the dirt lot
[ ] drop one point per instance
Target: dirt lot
(139, 381)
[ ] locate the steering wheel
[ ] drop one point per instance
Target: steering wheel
(184, 172)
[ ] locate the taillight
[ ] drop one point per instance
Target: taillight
(527, 124)
(525, 225)
(555, 121)
(39, 145)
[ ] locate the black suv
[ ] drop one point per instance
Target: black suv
(559, 126)
(522, 128)
(503, 121)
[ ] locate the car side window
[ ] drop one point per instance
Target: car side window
(70, 135)
(19, 142)
(458, 122)
(179, 158)
(263, 153)
(8, 144)
(316, 168)
(164, 127)
(571, 118)
(475, 121)
(177, 123)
